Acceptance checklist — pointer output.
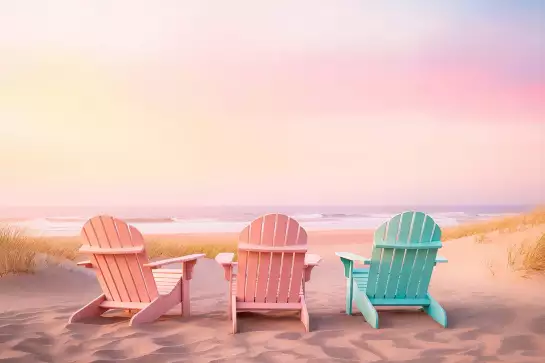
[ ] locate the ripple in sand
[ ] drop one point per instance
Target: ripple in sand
(6, 338)
(110, 354)
(169, 340)
(11, 329)
(179, 349)
(523, 343)
(362, 344)
(340, 353)
(288, 336)
(537, 325)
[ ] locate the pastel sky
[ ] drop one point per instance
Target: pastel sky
(285, 102)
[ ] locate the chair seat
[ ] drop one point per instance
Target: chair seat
(166, 279)
(361, 275)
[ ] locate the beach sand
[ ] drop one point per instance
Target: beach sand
(494, 316)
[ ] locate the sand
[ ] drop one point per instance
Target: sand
(494, 316)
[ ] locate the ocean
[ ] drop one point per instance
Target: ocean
(68, 221)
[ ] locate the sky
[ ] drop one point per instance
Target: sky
(247, 102)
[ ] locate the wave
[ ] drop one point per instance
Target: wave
(235, 222)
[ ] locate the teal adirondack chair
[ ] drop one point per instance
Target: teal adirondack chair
(399, 270)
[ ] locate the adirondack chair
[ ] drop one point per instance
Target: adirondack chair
(399, 270)
(273, 267)
(128, 280)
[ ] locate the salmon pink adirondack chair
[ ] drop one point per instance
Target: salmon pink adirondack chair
(273, 267)
(128, 280)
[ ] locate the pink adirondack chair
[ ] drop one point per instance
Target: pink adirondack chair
(128, 280)
(272, 269)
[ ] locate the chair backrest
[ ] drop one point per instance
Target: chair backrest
(404, 253)
(271, 257)
(117, 253)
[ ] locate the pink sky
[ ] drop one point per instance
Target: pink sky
(245, 103)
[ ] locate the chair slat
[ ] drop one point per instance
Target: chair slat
(111, 251)
(408, 263)
(251, 276)
(285, 275)
(133, 261)
(296, 277)
(376, 257)
(395, 271)
(267, 239)
(89, 235)
(418, 226)
(393, 227)
(406, 222)
(383, 272)
(274, 277)
(422, 289)
(416, 273)
(428, 229)
(142, 258)
(110, 230)
(103, 242)
(262, 276)
(280, 230)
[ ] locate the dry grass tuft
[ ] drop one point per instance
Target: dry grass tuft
(528, 257)
(165, 247)
(481, 238)
(15, 254)
(502, 225)
(18, 252)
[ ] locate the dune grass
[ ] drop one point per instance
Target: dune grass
(15, 255)
(502, 225)
(528, 256)
(18, 252)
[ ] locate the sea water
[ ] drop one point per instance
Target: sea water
(68, 221)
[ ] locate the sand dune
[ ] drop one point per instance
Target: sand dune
(493, 318)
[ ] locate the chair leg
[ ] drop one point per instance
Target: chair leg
(234, 313)
(367, 309)
(304, 314)
(158, 307)
(436, 311)
(89, 310)
(152, 312)
(186, 306)
(229, 300)
(349, 295)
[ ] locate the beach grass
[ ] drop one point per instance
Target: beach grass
(18, 252)
(515, 223)
(528, 256)
(15, 254)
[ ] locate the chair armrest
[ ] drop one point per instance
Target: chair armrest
(312, 260)
(348, 259)
(225, 259)
(86, 264)
(440, 259)
(168, 261)
(353, 257)
(188, 263)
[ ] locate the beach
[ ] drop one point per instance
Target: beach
(494, 315)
